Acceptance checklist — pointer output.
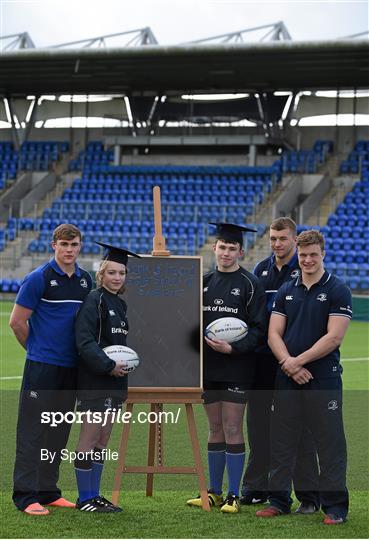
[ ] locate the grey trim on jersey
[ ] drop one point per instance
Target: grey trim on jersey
(252, 287)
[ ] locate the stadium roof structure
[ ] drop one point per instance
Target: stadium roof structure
(152, 69)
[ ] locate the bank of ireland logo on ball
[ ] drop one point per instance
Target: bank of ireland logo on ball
(229, 329)
(124, 354)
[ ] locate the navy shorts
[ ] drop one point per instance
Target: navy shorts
(224, 391)
(100, 404)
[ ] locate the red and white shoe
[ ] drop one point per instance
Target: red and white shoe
(331, 519)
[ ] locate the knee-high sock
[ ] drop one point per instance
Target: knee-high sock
(216, 462)
(83, 470)
(97, 468)
(235, 460)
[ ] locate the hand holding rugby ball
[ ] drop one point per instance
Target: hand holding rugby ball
(120, 353)
(229, 329)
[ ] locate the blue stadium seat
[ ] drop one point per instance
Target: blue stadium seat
(362, 257)
(364, 284)
(353, 282)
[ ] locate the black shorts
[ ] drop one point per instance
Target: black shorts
(100, 404)
(224, 391)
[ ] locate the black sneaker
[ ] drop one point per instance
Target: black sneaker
(93, 505)
(106, 502)
(253, 497)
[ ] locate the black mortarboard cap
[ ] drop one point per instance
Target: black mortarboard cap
(231, 232)
(116, 254)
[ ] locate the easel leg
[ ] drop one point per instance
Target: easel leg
(197, 457)
(159, 436)
(151, 454)
(122, 457)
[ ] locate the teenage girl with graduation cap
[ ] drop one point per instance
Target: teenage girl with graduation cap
(102, 382)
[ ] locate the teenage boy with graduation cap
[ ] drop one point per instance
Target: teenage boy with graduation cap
(102, 382)
(229, 291)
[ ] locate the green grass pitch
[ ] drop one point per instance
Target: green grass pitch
(165, 515)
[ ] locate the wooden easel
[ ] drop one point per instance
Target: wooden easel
(157, 397)
(155, 454)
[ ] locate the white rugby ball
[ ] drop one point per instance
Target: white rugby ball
(229, 329)
(123, 354)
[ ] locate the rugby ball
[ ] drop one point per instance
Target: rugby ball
(229, 329)
(124, 354)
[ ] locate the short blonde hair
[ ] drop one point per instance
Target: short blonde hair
(100, 276)
(308, 238)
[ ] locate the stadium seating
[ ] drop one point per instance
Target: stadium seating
(8, 164)
(306, 161)
(32, 156)
(347, 236)
(114, 204)
(121, 197)
(9, 285)
(357, 161)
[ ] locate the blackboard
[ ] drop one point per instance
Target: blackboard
(164, 297)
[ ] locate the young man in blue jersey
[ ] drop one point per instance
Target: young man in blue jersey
(43, 322)
(280, 267)
(309, 319)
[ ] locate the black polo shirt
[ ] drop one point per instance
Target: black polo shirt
(233, 294)
(272, 279)
(307, 312)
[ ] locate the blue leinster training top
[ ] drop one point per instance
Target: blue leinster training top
(54, 298)
(307, 312)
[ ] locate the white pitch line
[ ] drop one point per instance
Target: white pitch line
(363, 359)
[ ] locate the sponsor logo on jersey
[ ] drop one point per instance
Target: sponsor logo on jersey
(83, 282)
(332, 405)
(322, 297)
(54, 283)
(289, 297)
(264, 273)
(206, 289)
(236, 292)
(122, 323)
(33, 394)
(218, 301)
(295, 273)
(119, 331)
(235, 390)
(111, 312)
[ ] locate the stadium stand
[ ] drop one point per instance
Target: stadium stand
(122, 198)
(8, 163)
(112, 203)
(32, 156)
(358, 161)
(306, 161)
